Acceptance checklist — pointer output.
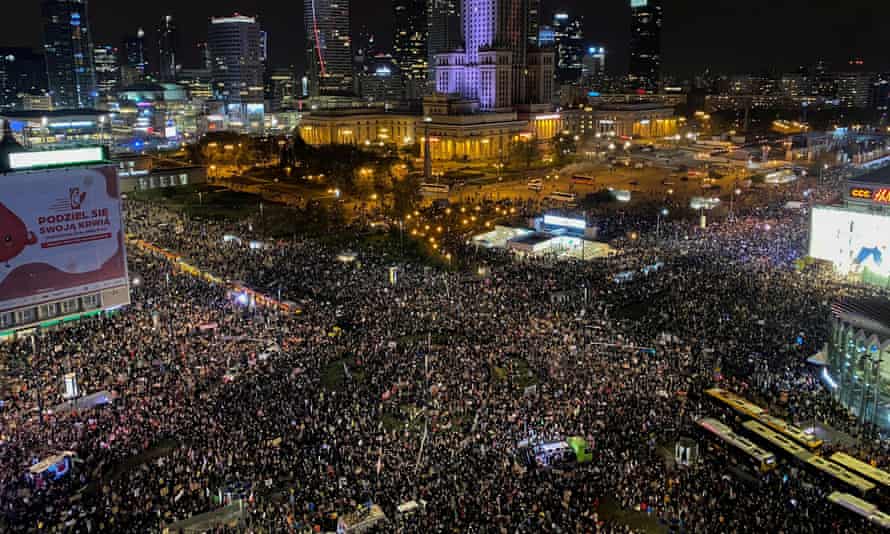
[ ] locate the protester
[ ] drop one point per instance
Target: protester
(420, 390)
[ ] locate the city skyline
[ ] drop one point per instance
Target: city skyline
(719, 35)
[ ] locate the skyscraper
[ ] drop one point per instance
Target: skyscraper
(594, 64)
(282, 89)
(409, 42)
(534, 21)
(568, 35)
(236, 49)
(328, 47)
(108, 72)
(443, 17)
(168, 46)
(493, 67)
(204, 55)
(134, 63)
(22, 72)
(69, 54)
(645, 43)
(495, 36)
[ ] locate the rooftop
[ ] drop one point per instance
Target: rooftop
(56, 113)
(532, 239)
(878, 176)
(870, 314)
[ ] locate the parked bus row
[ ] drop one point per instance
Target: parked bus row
(731, 400)
(740, 451)
(835, 475)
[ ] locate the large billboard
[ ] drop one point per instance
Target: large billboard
(854, 241)
(61, 235)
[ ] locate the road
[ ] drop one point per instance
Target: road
(645, 184)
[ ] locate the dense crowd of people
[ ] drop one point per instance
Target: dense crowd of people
(419, 387)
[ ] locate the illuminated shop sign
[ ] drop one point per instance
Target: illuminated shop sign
(880, 196)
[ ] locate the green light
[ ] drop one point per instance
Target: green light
(53, 158)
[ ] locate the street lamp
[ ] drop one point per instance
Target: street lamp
(736, 192)
(663, 212)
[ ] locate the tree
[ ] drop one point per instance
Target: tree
(406, 194)
(524, 153)
(563, 148)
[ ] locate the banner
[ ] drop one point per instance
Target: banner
(61, 235)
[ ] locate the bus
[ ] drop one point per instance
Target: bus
(786, 445)
(745, 407)
(559, 196)
(808, 440)
(583, 180)
(535, 184)
(879, 476)
(427, 189)
(863, 509)
(752, 457)
(731, 400)
(737, 403)
(840, 475)
(819, 466)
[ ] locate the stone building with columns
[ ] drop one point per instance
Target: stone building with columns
(858, 359)
(635, 120)
(358, 127)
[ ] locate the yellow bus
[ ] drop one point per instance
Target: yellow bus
(731, 400)
(739, 404)
(863, 509)
(866, 470)
(786, 445)
(809, 441)
(752, 455)
(834, 472)
(840, 475)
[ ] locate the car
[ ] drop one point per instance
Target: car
(634, 182)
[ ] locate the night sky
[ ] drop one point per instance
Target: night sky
(727, 36)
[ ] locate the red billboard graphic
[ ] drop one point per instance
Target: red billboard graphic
(61, 235)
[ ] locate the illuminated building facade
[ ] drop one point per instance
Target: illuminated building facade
(858, 358)
(58, 129)
(457, 130)
(358, 127)
(645, 43)
(69, 54)
(635, 120)
(491, 67)
(328, 47)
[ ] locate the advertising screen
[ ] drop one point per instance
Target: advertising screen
(565, 222)
(61, 235)
(852, 241)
